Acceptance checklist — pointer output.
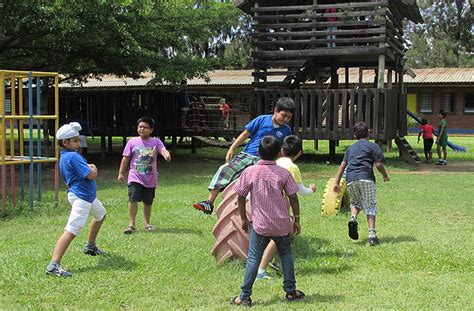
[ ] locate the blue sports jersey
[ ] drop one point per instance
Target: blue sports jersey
(74, 170)
(260, 127)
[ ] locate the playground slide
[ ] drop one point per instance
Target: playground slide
(450, 144)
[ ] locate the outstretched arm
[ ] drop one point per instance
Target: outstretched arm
(240, 140)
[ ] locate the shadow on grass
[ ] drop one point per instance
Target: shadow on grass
(308, 299)
(311, 270)
(110, 261)
(311, 247)
(391, 240)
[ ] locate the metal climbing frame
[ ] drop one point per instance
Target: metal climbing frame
(15, 115)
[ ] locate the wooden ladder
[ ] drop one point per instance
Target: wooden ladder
(406, 151)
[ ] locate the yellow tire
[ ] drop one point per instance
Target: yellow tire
(334, 202)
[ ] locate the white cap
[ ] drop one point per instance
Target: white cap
(68, 131)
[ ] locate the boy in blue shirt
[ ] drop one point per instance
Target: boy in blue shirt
(275, 125)
(80, 180)
(359, 160)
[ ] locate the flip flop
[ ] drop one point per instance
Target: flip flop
(246, 302)
(129, 230)
(149, 228)
(295, 295)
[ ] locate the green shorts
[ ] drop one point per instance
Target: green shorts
(443, 141)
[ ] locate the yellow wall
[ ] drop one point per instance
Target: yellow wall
(411, 102)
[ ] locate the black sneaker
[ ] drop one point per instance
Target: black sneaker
(92, 250)
(353, 229)
(373, 241)
(57, 270)
(205, 206)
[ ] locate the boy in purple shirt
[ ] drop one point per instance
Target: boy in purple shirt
(267, 184)
(141, 152)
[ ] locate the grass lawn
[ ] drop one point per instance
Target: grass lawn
(424, 261)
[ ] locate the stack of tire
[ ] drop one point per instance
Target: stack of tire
(335, 202)
(231, 240)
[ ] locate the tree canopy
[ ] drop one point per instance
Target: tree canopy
(176, 39)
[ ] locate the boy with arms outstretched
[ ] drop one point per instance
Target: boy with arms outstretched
(80, 179)
(269, 186)
(359, 160)
(275, 125)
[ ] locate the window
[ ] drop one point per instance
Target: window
(469, 103)
(448, 102)
(426, 102)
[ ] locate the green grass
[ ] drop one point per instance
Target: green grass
(424, 260)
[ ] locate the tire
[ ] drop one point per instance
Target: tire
(334, 202)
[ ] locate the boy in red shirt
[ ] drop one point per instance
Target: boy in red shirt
(427, 131)
(225, 109)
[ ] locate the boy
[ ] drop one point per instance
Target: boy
(442, 140)
(275, 125)
(268, 185)
(291, 150)
(225, 112)
(360, 159)
(141, 153)
(80, 179)
(427, 131)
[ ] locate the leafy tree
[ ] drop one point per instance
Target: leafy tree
(81, 38)
(446, 37)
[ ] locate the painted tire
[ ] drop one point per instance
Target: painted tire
(334, 202)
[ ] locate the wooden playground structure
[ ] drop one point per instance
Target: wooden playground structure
(21, 106)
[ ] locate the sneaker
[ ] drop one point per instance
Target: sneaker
(353, 229)
(373, 241)
(263, 276)
(58, 271)
(205, 206)
(92, 250)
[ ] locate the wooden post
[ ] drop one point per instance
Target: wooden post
(193, 145)
(381, 69)
(332, 148)
(102, 148)
(124, 141)
(109, 145)
(174, 145)
(316, 144)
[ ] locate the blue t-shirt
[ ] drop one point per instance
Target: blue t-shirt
(260, 127)
(74, 170)
(360, 159)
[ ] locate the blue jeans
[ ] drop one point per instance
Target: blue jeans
(257, 245)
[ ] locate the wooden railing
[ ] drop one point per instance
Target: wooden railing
(331, 114)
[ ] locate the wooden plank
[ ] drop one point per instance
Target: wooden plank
(259, 103)
(319, 52)
(304, 116)
(351, 112)
(344, 113)
(274, 73)
(304, 15)
(267, 43)
(360, 105)
(312, 33)
(351, 5)
(297, 114)
(312, 113)
(335, 116)
(377, 120)
(368, 108)
(321, 24)
(319, 111)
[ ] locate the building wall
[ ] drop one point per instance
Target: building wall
(459, 121)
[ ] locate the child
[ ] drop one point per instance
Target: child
(427, 131)
(225, 111)
(291, 150)
(360, 159)
(442, 140)
(275, 125)
(268, 185)
(80, 180)
(141, 152)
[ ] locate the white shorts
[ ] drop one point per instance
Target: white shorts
(83, 141)
(80, 211)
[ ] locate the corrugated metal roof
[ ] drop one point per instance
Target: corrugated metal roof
(245, 78)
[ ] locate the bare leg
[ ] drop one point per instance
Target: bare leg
(438, 150)
(61, 246)
(354, 212)
(132, 213)
(268, 255)
(213, 195)
(445, 153)
(94, 229)
(371, 222)
(146, 214)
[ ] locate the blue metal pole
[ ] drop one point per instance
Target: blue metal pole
(38, 141)
(30, 126)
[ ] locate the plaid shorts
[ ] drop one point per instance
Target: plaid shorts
(362, 194)
(228, 172)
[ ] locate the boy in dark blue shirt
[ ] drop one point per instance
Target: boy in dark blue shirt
(80, 179)
(359, 161)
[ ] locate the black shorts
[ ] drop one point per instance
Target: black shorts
(428, 144)
(138, 193)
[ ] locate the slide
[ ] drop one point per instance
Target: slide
(450, 144)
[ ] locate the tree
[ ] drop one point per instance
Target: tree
(176, 40)
(446, 37)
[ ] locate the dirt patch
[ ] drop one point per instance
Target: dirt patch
(452, 167)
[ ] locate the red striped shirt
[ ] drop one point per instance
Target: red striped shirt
(268, 183)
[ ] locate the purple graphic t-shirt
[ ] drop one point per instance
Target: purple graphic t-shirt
(143, 154)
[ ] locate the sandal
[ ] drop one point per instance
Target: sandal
(149, 228)
(129, 230)
(295, 295)
(246, 302)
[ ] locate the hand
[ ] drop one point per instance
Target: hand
(313, 187)
(121, 177)
(245, 225)
(386, 178)
(92, 166)
(336, 188)
(229, 155)
(296, 228)
(167, 156)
